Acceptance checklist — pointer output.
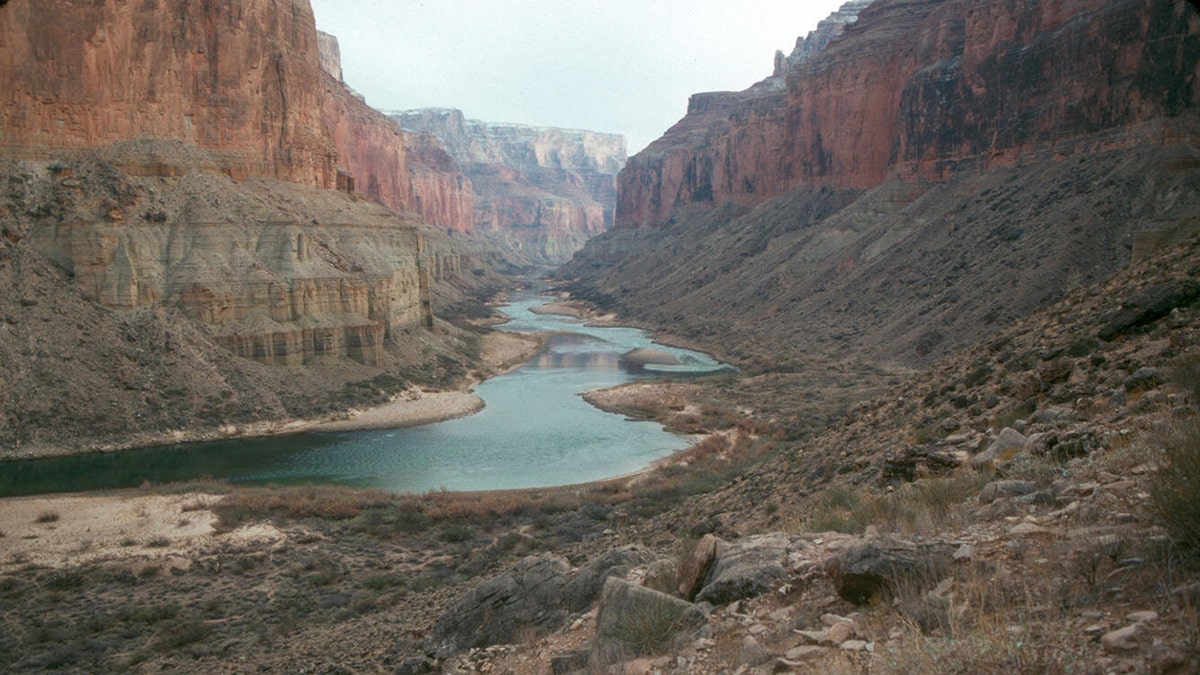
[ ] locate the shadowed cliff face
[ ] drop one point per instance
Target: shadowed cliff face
(239, 79)
(925, 89)
(539, 192)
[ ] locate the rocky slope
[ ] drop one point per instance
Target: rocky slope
(539, 192)
(828, 218)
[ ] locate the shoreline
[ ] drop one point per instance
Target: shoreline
(502, 352)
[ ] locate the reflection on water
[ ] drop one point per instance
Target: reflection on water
(572, 350)
(534, 431)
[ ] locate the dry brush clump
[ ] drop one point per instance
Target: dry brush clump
(1175, 487)
(926, 506)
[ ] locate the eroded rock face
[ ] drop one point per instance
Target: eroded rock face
(239, 79)
(545, 190)
(268, 285)
(928, 89)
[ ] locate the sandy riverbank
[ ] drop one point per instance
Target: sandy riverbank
(500, 352)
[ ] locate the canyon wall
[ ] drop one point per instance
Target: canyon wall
(398, 169)
(540, 191)
(241, 80)
(935, 170)
(923, 89)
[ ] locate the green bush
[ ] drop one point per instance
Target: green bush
(457, 534)
(1175, 487)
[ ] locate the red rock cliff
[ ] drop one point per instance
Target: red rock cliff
(239, 79)
(398, 169)
(927, 88)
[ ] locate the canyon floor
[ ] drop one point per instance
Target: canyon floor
(1032, 465)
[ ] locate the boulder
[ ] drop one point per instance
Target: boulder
(746, 568)
(1148, 306)
(635, 621)
(919, 461)
(695, 568)
(585, 585)
(1142, 379)
(1005, 447)
(882, 565)
(1006, 488)
(505, 609)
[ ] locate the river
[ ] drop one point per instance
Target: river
(535, 431)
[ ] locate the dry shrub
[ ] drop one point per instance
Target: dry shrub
(927, 505)
(309, 501)
(1175, 487)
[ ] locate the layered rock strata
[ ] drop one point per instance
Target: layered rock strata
(925, 89)
(544, 191)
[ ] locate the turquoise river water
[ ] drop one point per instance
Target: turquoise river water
(535, 431)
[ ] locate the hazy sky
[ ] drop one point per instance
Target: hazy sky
(621, 66)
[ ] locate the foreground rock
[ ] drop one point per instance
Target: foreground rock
(532, 598)
(882, 565)
(746, 568)
(635, 621)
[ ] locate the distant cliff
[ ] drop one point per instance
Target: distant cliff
(543, 190)
(926, 89)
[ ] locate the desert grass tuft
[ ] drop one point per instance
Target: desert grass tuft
(1175, 487)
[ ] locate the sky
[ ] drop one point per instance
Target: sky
(617, 66)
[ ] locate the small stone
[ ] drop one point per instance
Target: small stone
(965, 553)
(830, 619)
(804, 653)
(854, 646)
(1142, 617)
(1122, 639)
(812, 636)
(839, 633)
(1094, 629)
(781, 615)
(757, 629)
(703, 644)
(1028, 528)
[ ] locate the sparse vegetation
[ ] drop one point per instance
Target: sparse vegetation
(1175, 489)
(47, 517)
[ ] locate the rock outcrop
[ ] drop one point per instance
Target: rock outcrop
(926, 90)
(241, 80)
(541, 192)
(270, 286)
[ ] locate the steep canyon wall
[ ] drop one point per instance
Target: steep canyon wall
(240, 80)
(398, 169)
(923, 89)
(911, 179)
